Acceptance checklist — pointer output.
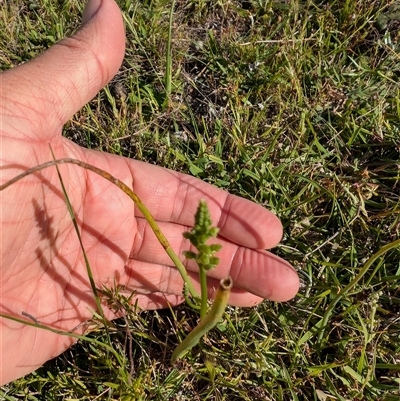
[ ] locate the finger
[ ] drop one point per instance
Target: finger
(52, 87)
(174, 197)
(148, 278)
(255, 271)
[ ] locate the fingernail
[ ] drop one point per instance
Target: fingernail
(91, 8)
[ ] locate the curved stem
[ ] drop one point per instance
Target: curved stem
(210, 320)
(64, 333)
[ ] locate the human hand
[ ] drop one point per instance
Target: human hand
(43, 271)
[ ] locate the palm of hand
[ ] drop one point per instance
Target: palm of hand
(43, 271)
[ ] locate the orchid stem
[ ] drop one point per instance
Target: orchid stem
(208, 322)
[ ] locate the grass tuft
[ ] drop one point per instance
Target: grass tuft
(294, 105)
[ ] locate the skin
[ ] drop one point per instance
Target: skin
(42, 268)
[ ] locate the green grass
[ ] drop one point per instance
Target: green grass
(294, 105)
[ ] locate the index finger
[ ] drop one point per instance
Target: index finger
(173, 197)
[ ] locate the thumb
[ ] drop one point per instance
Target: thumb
(48, 90)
